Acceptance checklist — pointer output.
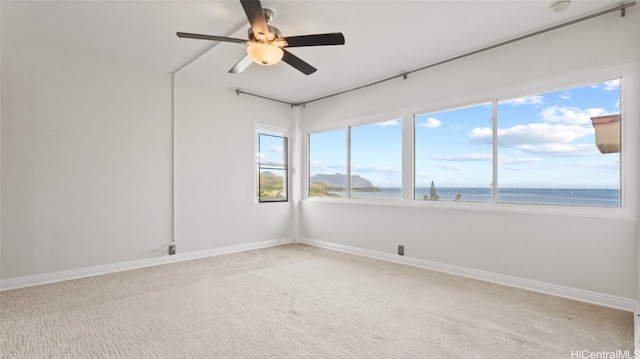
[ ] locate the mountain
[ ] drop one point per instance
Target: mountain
(339, 180)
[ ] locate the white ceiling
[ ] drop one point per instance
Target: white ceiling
(383, 38)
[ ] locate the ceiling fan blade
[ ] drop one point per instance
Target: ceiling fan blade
(298, 63)
(335, 38)
(254, 12)
(241, 65)
(210, 37)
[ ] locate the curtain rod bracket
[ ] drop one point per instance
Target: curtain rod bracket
(404, 76)
(623, 12)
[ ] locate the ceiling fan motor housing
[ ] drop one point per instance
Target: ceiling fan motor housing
(273, 31)
(268, 14)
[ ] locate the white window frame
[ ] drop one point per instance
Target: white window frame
(346, 125)
(630, 166)
(446, 109)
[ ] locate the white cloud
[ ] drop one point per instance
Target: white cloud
(326, 167)
(560, 149)
(467, 157)
(424, 174)
(528, 100)
(600, 166)
(260, 156)
(317, 163)
(525, 167)
(609, 85)
(482, 135)
(539, 138)
(275, 148)
(612, 85)
(566, 95)
(571, 115)
(543, 133)
(376, 169)
(519, 161)
(451, 167)
(431, 123)
(388, 123)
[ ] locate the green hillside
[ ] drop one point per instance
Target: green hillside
(270, 185)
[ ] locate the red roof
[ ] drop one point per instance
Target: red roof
(605, 119)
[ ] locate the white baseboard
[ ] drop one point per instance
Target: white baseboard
(536, 286)
(636, 329)
(47, 278)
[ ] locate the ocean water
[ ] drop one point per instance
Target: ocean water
(553, 196)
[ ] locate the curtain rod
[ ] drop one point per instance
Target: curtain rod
(622, 8)
(238, 92)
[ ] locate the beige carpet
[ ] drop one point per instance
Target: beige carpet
(297, 301)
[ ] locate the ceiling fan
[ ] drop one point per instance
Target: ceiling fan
(265, 45)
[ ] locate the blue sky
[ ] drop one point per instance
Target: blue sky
(271, 149)
(544, 141)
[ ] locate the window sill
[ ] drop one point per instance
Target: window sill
(538, 209)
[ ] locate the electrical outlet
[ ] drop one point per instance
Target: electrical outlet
(400, 250)
(172, 249)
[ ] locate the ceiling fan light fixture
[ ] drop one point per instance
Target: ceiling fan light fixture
(265, 54)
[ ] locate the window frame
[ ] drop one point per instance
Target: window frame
(307, 192)
(278, 132)
(347, 125)
(506, 95)
(562, 86)
(629, 108)
(350, 156)
(441, 109)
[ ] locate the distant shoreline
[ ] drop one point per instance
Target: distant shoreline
(591, 197)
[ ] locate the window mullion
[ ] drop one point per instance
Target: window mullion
(494, 157)
(280, 167)
(348, 184)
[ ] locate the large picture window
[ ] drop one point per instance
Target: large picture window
(272, 167)
(560, 147)
(448, 166)
(554, 148)
(370, 156)
(328, 164)
(376, 160)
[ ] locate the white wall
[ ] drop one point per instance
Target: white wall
(86, 159)
(215, 168)
(587, 249)
(87, 163)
